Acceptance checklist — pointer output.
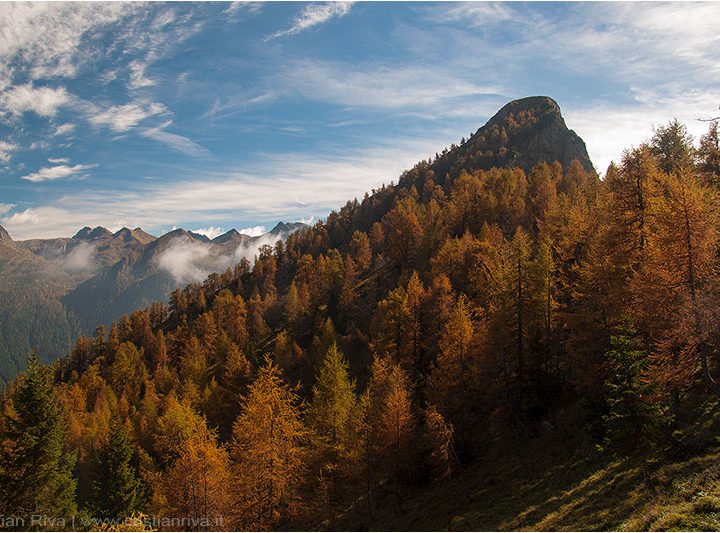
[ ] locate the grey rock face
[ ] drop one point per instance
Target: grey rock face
(548, 140)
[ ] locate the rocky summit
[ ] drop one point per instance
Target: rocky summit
(522, 134)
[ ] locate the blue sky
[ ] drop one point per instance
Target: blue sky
(210, 116)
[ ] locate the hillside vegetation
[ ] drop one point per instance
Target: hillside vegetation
(56, 289)
(481, 346)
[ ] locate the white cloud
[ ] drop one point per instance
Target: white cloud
(137, 76)
(210, 232)
(62, 129)
(5, 208)
(240, 6)
(80, 259)
(44, 101)
(297, 186)
(175, 141)
(250, 250)
(58, 160)
(235, 104)
(42, 38)
(313, 15)
(382, 87)
(185, 260)
(608, 128)
(478, 14)
(6, 149)
(121, 118)
(57, 172)
(254, 231)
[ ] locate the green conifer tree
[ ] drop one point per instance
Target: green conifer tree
(36, 471)
(633, 419)
(118, 490)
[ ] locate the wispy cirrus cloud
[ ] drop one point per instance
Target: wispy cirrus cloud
(175, 141)
(138, 77)
(243, 6)
(381, 86)
(313, 15)
(121, 118)
(57, 172)
(62, 129)
(41, 39)
(231, 105)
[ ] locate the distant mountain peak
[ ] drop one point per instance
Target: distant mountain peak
(280, 227)
(4, 235)
(287, 227)
(198, 236)
(88, 233)
(227, 236)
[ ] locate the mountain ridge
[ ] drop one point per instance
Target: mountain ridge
(5, 236)
(96, 276)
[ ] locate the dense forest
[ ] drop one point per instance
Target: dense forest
(392, 345)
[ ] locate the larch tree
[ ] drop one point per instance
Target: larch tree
(393, 422)
(267, 450)
(335, 418)
(198, 484)
(675, 289)
(360, 251)
(709, 155)
(452, 376)
(438, 435)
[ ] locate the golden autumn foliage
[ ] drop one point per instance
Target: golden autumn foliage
(389, 345)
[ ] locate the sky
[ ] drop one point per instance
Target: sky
(212, 116)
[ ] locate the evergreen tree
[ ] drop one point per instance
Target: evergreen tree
(632, 420)
(36, 473)
(118, 490)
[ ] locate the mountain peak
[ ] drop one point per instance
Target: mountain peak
(535, 131)
(88, 233)
(227, 236)
(280, 227)
(199, 236)
(539, 106)
(5, 236)
(287, 228)
(521, 134)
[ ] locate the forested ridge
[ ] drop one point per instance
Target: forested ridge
(398, 343)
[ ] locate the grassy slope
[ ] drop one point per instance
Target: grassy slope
(556, 481)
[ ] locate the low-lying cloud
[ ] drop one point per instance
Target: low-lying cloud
(185, 260)
(80, 259)
(188, 260)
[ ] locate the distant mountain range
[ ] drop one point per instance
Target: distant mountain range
(56, 289)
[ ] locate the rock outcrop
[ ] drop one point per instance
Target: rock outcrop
(522, 134)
